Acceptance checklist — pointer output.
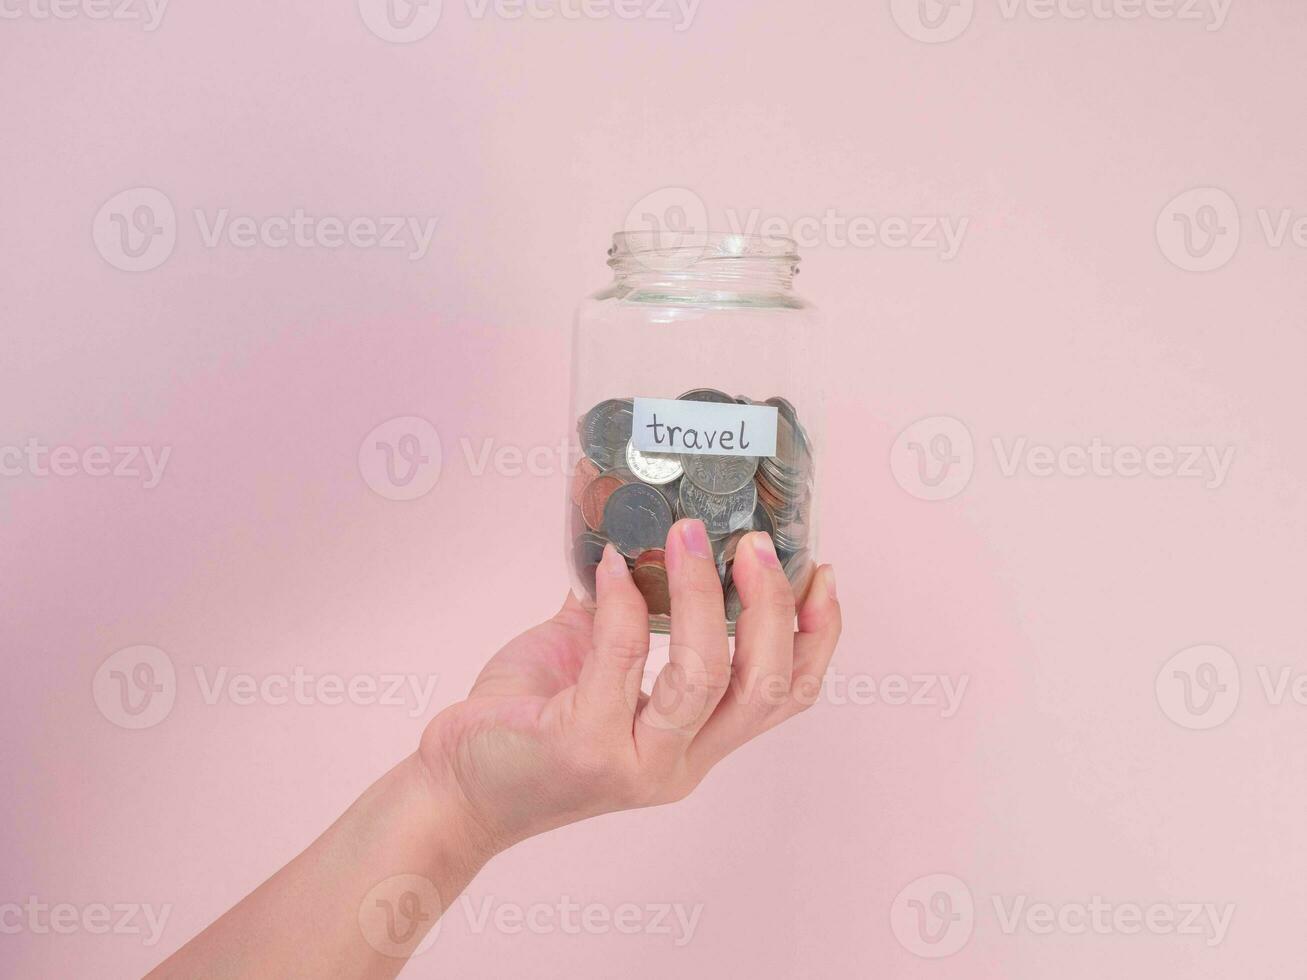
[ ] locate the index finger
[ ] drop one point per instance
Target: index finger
(608, 689)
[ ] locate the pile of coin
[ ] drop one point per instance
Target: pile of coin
(632, 499)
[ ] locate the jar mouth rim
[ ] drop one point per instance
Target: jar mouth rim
(703, 245)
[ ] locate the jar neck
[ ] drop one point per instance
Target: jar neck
(721, 262)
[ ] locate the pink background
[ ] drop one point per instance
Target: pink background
(1059, 598)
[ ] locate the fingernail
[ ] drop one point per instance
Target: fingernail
(695, 539)
(765, 549)
(613, 564)
(830, 582)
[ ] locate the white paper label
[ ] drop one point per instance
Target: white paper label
(669, 425)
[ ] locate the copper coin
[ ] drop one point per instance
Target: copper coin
(651, 579)
(585, 471)
(651, 556)
(594, 499)
(724, 549)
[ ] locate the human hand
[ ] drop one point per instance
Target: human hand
(556, 728)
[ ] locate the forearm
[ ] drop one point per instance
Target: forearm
(359, 899)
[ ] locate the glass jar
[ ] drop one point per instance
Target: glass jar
(695, 393)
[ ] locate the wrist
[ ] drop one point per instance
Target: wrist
(444, 815)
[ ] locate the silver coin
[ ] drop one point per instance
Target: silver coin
(605, 431)
(721, 513)
(637, 517)
(672, 492)
(706, 395)
(791, 537)
(781, 496)
(587, 552)
(653, 468)
(798, 569)
(720, 474)
(793, 456)
(783, 406)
